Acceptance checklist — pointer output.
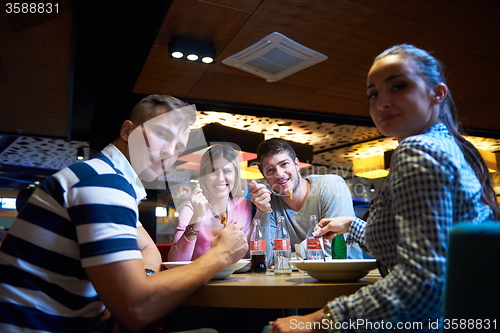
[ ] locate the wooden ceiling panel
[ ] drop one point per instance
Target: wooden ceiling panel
(417, 10)
(37, 63)
(208, 21)
(473, 91)
(35, 111)
(233, 88)
(247, 5)
(335, 105)
(490, 49)
(57, 30)
(459, 28)
(38, 56)
(337, 29)
(327, 27)
(165, 75)
(35, 77)
(347, 93)
(203, 20)
(4, 22)
(350, 33)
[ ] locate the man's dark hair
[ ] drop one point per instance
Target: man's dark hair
(273, 147)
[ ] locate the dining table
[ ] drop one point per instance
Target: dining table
(245, 302)
(267, 291)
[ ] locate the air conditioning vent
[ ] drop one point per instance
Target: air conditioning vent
(274, 57)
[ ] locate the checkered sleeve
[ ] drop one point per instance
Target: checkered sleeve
(356, 234)
(422, 186)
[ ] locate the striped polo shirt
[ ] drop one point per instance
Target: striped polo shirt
(82, 216)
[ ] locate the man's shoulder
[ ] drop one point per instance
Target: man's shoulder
(324, 179)
(96, 171)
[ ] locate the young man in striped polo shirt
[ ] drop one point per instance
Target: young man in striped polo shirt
(75, 248)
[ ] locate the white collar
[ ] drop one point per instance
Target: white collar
(122, 164)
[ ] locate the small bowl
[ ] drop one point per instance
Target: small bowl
(219, 276)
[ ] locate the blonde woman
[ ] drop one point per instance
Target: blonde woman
(216, 201)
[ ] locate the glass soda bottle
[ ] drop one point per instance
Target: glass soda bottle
(258, 262)
(339, 247)
(282, 249)
(313, 247)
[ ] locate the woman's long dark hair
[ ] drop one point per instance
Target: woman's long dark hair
(432, 72)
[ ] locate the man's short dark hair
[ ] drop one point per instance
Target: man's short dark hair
(273, 147)
(146, 107)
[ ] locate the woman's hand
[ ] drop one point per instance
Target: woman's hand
(199, 202)
(330, 227)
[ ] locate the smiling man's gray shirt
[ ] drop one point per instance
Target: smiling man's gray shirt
(329, 196)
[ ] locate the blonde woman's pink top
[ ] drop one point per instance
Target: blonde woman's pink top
(239, 210)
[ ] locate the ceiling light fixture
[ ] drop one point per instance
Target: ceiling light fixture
(191, 49)
(80, 153)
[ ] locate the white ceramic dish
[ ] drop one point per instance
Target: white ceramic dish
(219, 276)
(336, 269)
(245, 268)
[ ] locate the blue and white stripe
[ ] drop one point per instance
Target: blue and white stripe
(84, 215)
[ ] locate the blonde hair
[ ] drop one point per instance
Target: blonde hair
(207, 166)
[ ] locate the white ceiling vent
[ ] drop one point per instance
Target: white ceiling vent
(274, 57)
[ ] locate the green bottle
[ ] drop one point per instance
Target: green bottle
(339, 247)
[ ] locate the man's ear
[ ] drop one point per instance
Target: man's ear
(126, 129)
(297, 163)
(440, 92)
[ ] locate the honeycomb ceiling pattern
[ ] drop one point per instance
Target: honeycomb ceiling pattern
(334, 145)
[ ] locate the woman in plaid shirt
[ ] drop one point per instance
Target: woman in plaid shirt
(437, 179)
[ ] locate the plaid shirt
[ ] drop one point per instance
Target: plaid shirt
(430, 187)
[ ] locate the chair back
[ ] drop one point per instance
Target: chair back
(473, 272)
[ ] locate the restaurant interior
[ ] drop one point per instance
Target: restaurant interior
(68, 78)
(293, 69)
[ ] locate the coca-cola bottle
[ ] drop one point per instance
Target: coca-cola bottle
(282, 249)
(313, 247)
(258, 262)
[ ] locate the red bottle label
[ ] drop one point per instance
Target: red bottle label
(258, 245)
(313, 244)
(282, 244)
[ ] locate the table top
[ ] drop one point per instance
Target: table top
(268, 291)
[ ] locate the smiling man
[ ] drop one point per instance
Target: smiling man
(76, 247)
(298, 198)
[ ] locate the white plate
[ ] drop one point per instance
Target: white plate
(221, 275)
(245, 268)
(336, 269)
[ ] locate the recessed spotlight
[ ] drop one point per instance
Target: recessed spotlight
(177, 55)
(191, 49)
(207, 60)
